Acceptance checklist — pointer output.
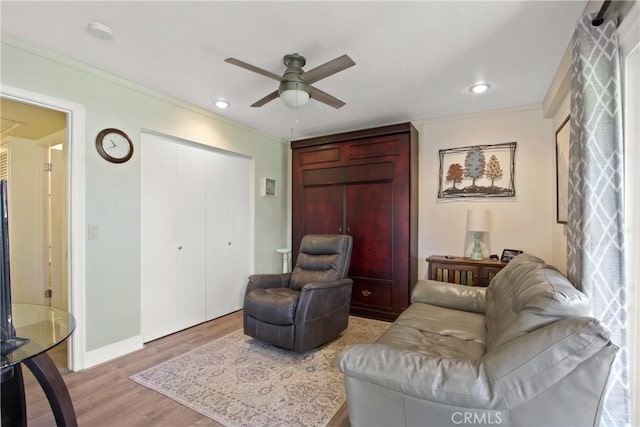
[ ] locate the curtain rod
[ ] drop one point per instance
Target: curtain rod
(600, 18)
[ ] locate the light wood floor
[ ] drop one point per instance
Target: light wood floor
(105, 396)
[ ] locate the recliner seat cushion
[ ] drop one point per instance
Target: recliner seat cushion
(272, 305)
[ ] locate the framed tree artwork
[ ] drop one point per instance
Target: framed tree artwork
(478, 171)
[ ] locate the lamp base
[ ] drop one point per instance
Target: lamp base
(476, 255)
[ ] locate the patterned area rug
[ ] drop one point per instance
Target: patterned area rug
(239, 381)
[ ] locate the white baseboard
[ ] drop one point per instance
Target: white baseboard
(111, 351)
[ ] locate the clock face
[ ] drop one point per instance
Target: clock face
(114, 145)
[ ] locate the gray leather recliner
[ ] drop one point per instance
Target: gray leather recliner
(307, 307)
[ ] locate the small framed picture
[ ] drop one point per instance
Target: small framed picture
(507, 254)
(269, 188)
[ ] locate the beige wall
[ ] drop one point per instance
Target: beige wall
(524, 222)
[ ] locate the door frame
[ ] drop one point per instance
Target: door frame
(76, 211)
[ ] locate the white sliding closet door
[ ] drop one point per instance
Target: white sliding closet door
(191, 236)
(196, 228)
(159, 257)
(229, 248)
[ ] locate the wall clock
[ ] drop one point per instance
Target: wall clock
(114, 145)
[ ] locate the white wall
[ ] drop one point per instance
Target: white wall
(520, 223)
(113, 190)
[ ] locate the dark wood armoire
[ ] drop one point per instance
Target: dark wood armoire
(363, 183)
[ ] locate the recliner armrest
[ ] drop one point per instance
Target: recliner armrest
(257, 281)
(322, 299)
(450, 295)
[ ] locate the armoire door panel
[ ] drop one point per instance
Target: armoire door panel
(323, 212)
(191, 236)
(370, 222)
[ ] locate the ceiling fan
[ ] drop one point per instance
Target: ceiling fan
(295, 84)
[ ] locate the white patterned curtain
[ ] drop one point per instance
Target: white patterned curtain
(595, 252)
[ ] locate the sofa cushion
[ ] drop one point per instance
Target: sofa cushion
(528, 294)
(438, 332)
(450, 295)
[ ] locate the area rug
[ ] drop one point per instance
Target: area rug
(239, 381)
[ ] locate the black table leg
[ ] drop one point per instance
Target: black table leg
(54, 388)
(14, 410)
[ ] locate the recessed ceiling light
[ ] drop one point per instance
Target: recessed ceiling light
(221, 103)
(100, 31)
(479, 88)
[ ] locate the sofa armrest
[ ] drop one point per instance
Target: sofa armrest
(526, 366)
(450, 295)
(257, 281)
(454, 382)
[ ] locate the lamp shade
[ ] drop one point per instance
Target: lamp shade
(477, 220)
(294, 98)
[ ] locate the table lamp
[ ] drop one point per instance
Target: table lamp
(478, 222)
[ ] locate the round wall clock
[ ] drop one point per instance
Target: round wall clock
(114, 145)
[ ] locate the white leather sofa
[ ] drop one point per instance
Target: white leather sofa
(522, 352)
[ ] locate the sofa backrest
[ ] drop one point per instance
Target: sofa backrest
(526, 295)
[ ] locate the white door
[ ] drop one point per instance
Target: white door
(191, 236)
(240, 254)
(57, 219)
(159, 253)
(196, 248)
(229, 248)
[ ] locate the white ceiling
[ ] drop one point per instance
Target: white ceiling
(415, 60)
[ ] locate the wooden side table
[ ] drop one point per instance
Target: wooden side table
(463, 270)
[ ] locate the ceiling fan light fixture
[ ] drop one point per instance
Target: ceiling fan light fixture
(294, 98)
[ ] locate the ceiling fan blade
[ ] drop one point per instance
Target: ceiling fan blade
(253, 68)
(324, 97)
(327, 69)
(259, 103)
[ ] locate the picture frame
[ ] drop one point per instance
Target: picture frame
(508, 254)
(269, 187)
(477, 171)
(562, 171)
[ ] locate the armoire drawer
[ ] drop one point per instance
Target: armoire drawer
(371, 293)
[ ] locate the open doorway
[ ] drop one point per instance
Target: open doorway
(33, 161)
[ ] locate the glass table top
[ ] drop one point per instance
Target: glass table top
(41, 326)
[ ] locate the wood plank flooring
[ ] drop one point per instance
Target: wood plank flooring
(104, 396)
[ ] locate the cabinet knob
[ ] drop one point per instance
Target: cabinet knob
(180, 247)
(366, 292)
(339, 229)
(229, 244)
